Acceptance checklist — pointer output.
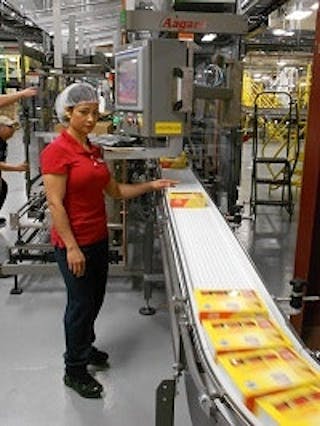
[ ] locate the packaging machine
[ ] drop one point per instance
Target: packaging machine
(200, 251)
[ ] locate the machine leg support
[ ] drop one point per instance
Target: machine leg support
(147, 309)
(16, 289)
(148, 260)
(165, 403)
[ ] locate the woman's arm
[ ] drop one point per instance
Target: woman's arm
(132, 190)
(6, 167)
(55, 187)
(14, 97)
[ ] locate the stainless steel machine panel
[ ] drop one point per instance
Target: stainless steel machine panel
(149, 84)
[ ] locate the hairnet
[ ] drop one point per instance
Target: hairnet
(73, 95)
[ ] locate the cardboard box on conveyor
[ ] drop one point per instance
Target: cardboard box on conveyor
(266, 371)
(187, 199)
(296, 407)
(213, 304)
(247, 333)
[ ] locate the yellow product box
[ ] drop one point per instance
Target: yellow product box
(297, 407)
(247, 333)
(213, 304)
(187, 199)
(179, 162)
(266, 371)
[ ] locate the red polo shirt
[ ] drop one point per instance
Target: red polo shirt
(87, 177)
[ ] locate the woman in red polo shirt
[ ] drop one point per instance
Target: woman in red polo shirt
(76, 180)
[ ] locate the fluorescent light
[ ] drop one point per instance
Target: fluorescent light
(289, 33)
(209, 37)
(298, 15)
(278, 32)
(315, 6)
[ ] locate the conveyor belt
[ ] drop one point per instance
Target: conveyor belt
(207, 255)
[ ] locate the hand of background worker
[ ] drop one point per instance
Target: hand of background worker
(159, 184)
(28, 92)
(22, 167)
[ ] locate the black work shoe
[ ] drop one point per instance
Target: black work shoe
(84, 384)
(98, 358)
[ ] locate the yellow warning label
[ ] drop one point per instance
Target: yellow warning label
(168, 128)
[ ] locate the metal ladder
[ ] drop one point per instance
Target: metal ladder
(276, 149)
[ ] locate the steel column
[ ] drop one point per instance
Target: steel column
(307, 265)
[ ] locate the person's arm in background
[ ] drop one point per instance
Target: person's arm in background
(132, 190)
(14, 97)
(6, 167)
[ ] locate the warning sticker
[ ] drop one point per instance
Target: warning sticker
(168, 128)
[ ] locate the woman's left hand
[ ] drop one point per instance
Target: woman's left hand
(159, 184)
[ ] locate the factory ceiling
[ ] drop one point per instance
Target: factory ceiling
(14, 25)
(98, 20)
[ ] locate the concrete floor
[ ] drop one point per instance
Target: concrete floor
(31, 388)
(32, 391)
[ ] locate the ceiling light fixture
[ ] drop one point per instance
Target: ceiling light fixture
(209, 37)
(315, 6)
(278, 32)
(299, 15)
(289, 33)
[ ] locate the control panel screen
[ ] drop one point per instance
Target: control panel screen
(127, 82)
(129, 66)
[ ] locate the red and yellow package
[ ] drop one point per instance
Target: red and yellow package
(267, 371)
(213, 304)
(297, 407)
(247, 333)
(187, 199)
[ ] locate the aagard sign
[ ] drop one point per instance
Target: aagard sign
(176, 24)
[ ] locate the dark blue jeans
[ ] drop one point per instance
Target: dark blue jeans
(85, 296)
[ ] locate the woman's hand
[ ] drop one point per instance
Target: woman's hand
(76, 261)
(159, 184)
(131, 190)
(28, 92)
(22, 167)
